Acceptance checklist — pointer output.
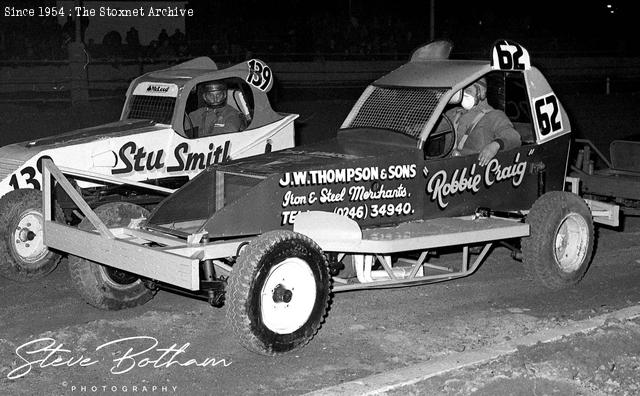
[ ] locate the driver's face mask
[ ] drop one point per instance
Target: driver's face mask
(468, 101)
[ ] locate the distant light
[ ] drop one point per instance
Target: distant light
(609, 5)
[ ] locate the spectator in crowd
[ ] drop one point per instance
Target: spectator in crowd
(177, 38)
(163, 36)
(112, 44)
(132, 38)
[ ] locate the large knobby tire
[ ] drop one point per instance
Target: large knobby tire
(559, 249)
(23, 255)
(278, 293)
(107, 287)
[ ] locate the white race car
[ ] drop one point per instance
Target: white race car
(154, 142)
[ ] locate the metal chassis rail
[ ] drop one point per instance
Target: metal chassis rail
(420, 236)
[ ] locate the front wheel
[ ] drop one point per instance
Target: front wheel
(278, 293)
(107, 287)
(23, 254)
(559, 249)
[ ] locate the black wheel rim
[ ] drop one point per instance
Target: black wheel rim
(120, 277)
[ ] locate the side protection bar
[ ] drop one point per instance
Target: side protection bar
(112, 247)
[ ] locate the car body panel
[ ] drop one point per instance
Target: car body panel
(357, 184)
(436, 73)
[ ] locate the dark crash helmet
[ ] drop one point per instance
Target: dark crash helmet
(214, 93)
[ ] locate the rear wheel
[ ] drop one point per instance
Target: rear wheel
(278, 293)
(107, 287)
(559, 249)
(23, 254)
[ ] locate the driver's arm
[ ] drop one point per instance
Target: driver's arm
(238, 120)
(504, 133)
(193, 121)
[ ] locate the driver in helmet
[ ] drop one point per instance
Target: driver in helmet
(479, 127)
(216, 117)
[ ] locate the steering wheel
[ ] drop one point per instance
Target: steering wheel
(441, 141)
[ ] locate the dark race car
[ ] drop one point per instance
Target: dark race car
(275, 234)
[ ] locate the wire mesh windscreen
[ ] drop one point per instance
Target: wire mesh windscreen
(156, 108)
(405, 110)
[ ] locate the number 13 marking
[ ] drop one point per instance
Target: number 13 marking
(29, 177)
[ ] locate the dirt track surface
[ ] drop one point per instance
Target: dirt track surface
(602, 362)
(365, 332)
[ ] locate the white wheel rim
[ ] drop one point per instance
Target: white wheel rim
(288, 296)
(571, 242)
(27, 237)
